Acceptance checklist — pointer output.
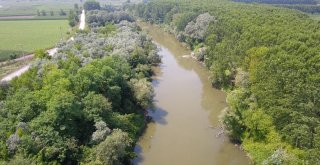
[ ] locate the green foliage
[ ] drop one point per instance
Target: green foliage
(73, 18)
(96, 106)
(143, 92)
(111, 151)
(182, 20)
(91, 5)
(107, 29)
(78, 108)
(42, 54)
(281, 1)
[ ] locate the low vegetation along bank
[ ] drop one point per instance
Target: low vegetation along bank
(85, 105)
(267, 58)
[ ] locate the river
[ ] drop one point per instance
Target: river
(184, 128)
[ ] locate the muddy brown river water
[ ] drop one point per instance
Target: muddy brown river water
(184, 129)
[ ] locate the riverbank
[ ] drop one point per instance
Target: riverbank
(187, 112)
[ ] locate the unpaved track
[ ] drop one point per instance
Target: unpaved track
(82, 20)
(18, 72)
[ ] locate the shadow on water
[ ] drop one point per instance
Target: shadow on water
(155, 82)
(158, 115)
(138, 151)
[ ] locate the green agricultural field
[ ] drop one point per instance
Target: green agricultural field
(315, 16)
(27, 7)
(30, 7)
(27, 35)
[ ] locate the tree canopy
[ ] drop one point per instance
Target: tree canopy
(85, 105)
(91, 5)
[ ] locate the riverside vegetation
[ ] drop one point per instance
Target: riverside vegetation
(86, 104)
(267, 58)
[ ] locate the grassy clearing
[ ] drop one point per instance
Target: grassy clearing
(28, 35)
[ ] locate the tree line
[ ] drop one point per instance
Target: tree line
(310, 2)
(267, 59)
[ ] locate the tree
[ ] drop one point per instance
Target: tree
(62, 12)
(42, 54)
(76, 8)
(91, 5)
(112, 150)
(38, 13)
(197, 29)
(43, 13)
(51, 13)
(96, 107)
(101, 132)
(72, 18)
(143, 92)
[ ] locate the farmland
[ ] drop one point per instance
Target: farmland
(24, 36)
(18, 8)
(29, 7)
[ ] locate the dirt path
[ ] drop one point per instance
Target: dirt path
(18, 72)
(82, 20)
(28, 57)
(51, 52)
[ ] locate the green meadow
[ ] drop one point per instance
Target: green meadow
(24, 36)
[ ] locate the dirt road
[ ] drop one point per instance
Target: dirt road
(82, 20)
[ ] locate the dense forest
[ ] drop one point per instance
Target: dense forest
(280, 1)
(268, 60)
(86, 104)
(313, 9)
(308, 6)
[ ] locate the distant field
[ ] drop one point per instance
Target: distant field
(27, 7)
(315, 17)
(24, 36)
(30, 7)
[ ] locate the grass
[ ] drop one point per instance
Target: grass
(10, 54)
(27, 7)
(34, 18)
(28, 35)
